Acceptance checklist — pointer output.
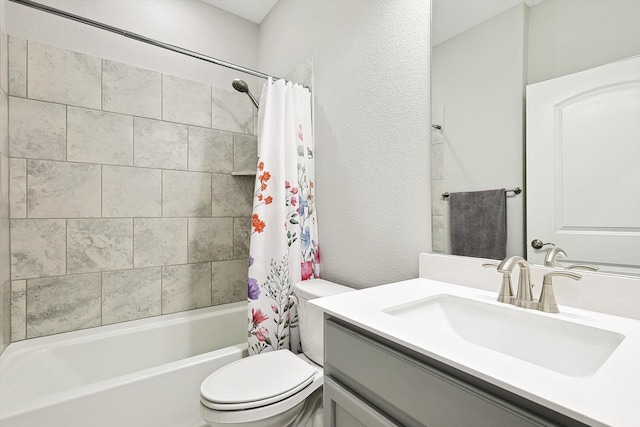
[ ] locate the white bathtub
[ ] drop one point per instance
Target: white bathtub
(133, 374)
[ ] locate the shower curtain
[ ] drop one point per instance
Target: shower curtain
(284, 242)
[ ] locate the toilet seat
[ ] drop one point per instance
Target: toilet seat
(239, 385)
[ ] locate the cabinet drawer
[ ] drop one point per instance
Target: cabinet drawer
(344, 409)
(409, 391)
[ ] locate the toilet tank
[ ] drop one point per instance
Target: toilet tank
(311, 318)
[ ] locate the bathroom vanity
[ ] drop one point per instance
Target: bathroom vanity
(423, 352)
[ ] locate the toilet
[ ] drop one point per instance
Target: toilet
(237, 395)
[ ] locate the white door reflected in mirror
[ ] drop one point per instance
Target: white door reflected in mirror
(581, 129)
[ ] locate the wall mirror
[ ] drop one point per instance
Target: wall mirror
(484, 55)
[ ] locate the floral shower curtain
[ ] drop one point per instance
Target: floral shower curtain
(284, 242)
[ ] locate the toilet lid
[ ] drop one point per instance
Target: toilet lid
(256, 381)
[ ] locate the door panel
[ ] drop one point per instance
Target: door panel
(583, 166)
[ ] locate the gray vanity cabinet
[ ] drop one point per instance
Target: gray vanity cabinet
(370, 381)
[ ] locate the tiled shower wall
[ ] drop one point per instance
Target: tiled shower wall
(5, 284)
(122, 200)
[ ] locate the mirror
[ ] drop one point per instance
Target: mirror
(484, 54)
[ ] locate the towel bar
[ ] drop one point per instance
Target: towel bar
(516, 190)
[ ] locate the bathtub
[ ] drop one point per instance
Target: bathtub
(133, 374)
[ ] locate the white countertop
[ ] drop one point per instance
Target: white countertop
(610, 397)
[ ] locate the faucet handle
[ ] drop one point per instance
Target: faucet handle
(506, 292)
(490, 264)
(586, 267)
(547, 301)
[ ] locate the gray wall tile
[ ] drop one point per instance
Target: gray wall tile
(131, 294)
(232, 195)
(186, 101)
(131, 90)
(255, 122)
(17, 66)
(232, 111)
(18, 188)
(245, 152)
(5, 253)
(62, 190)
(229, 281)
(159, 144)
(18, 310)
(63, 76)
(4, 59)
(5, 284)
(159, 241)
(437, 230)
(61, 304)
(437, 161)
(437, 202)
(186, 194)
(210, 150)
(5, 314)
(186, 287)
(99, 245)
(241, 237)
(4, 187)
(37, 129)
(210, 239)
(131, 192)
(99, 137)
(4, 123)
(37, 248)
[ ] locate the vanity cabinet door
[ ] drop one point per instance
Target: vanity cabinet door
(411, 392)
(344, 409)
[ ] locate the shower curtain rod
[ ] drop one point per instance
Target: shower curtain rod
(140, 38)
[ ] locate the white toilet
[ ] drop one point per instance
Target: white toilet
(246, 393)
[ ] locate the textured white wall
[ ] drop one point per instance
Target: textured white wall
(371, 72)
(190, 24)
(567, 36)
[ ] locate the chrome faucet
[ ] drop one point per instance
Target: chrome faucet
(524, 296)
(506, 293)
(552, 254)
(547, 298)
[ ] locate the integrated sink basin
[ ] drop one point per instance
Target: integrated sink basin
(553, 343)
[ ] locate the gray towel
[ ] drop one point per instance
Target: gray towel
(479, 224)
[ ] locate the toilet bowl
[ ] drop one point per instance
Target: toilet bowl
(274, 389)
